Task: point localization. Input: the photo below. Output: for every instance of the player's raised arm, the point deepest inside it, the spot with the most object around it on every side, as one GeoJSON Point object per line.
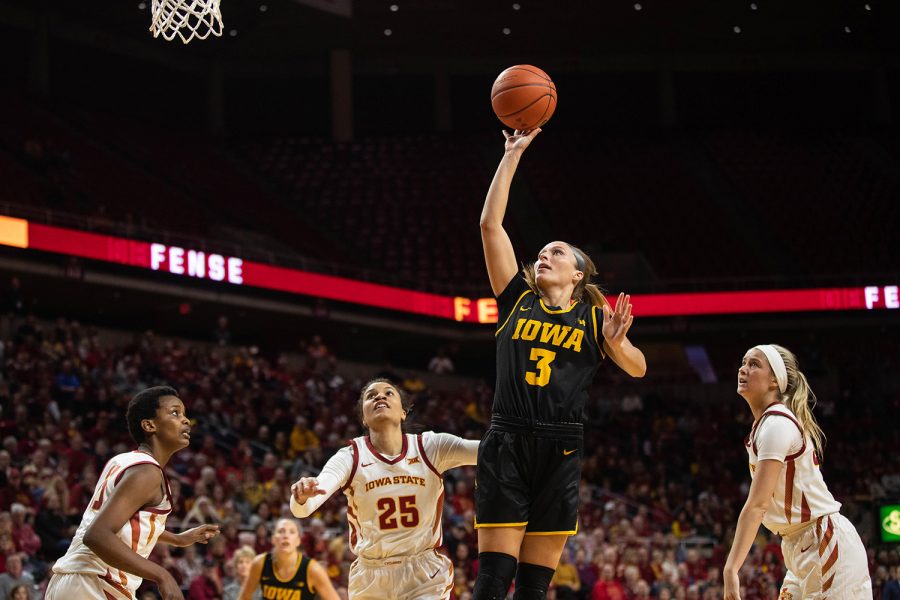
{"type": "Point", "coordinates": [140, 486]}
{"type": "Point", "coordinates": [616, 323]}
{"type": "Point", "coordinates": [309, 493]}
{"type": "Point", "coordinates": [498, 251]}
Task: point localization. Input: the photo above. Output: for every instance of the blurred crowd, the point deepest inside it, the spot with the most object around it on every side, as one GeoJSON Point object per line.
{"type": "Point", "coordinates": [663, 479]}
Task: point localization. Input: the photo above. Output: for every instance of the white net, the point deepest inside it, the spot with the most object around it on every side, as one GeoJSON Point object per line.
{"type": "Point", "coordinates": [188, 19]}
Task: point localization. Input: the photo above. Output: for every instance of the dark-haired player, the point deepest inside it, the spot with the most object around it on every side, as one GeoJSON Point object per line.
{"type": "Point", "coordinates": [395, 496]}
{"type": "Point", "coordinates": [126, 516]}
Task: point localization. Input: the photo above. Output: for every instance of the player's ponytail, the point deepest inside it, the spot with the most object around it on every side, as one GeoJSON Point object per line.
{"type": "Point", "coordinates": [799, 397]}
{"type": "Point", "coordinates": [584, 291]}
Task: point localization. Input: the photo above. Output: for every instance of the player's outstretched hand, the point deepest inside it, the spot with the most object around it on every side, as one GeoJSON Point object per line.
{"type": "Point", "coordinates": [617, 322]}
{"type": "Point", "coordinates": [519, 140]}
{"type": "Point", "coordinates": [199, 535]}
{"type": "Point", "coordinates": [305, 489]}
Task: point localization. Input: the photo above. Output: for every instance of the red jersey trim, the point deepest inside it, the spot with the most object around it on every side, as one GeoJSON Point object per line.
{"type": "Point", "coordinates": [425, 456]}
{"type": "Point", "coordinates": [778, 413]}
{"type": "Point", "coordinates": [355, 452]}
{"type": "Point", "coordinates": [168, 489]}
{"type": "Point", "coordinates": [757, 422]}
{"type": "Point", "coordinates": [115, 584]}
{"type": "Point", "coordinates": [145, 462]}
{"type": "Point", "coordinates": [135, 531]}
{"type": "Point", "coordinates": [789, 490]}
{"type": "Point", "coordinates": [805, 513]}
{"type": "Point", "coordinates": [393, 461]}
{"type": "Point", "coordinates": [157, 511]}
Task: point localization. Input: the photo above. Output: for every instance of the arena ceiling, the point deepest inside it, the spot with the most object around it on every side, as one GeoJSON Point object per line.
{"type": "Point", "coordinates": [573, 30]}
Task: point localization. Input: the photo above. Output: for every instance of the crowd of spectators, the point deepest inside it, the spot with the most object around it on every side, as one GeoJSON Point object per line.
{"type": "Point", "coordinates": [663, 479]}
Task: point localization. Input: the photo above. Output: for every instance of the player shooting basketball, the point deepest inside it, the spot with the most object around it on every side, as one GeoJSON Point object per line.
{"type": "Point", "coordinates": [554, 329]}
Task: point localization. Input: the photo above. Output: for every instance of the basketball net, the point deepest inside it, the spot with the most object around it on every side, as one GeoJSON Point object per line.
{"type": "Point", "coordinates": [188, 19]}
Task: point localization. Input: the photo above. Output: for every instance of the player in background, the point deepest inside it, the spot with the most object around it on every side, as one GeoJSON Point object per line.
{"type": "Point", "coordinates": [554, 329]}
{"type": "Point", "coordinates": [241, 561]}
{"type": "Point", "coordinates": [284, 573]}
{"type": "Point", "coordinates": [126, 516]}
{"type": "Point", "coordinates": [822, 551]}
{"type": "Point", "coordinates": [394, 486]}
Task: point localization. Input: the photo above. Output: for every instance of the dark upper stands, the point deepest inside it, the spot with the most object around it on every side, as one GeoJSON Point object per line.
{"type": "Point", "coordinates": [404, 210]}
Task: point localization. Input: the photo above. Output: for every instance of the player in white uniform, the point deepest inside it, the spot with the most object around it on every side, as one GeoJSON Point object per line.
{"type": "Point", "coordinates": [107, 559]}
{"type": "Point", "coordinates": [824, 555]}
{"type": "Point", "coordinates": [395, 496]}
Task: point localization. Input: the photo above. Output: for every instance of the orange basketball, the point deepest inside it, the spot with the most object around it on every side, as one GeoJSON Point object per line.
{"type": "Point", "coordinates": [523, 97]}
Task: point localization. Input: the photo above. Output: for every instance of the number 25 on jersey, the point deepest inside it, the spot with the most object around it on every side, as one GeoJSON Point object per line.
{"type": "Point", "coordinates": [388, 508]}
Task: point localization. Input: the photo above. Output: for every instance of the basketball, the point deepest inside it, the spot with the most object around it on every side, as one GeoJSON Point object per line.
{"type": "Point", "coordinates": [523, 97]}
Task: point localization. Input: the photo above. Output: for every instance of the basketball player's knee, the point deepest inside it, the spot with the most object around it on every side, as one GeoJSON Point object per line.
{"type": "Point", "coordinates": [532, 582]}
{"type": "Point", "coordinates": [495, 572]}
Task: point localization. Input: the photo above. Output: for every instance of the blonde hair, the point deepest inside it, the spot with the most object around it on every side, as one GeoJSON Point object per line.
{"type": "Point", "coordinates": [800, 398]}
{"type": "Point", "coordinates": [584, 290]}
{"type": "Point", "coordinates": [244, 551]}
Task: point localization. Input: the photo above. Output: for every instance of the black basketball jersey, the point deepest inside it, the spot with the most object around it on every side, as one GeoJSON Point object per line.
{"type": "Point", "coordinates": [546, 356]}
{"type": "Point", "coordinates": [295, 588]}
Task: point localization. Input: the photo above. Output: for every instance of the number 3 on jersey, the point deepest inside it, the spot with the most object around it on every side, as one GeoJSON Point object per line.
{"type": "Point", "coordinates": [409, 514]}
{"type": "Point", "coordinates": [543, 359]}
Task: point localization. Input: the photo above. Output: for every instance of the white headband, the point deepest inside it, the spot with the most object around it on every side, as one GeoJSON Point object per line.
{"type": "Point", "coordinates": [777, 364]}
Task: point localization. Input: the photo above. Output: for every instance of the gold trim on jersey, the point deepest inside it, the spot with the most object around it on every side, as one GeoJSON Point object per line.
{"type": "Point", "coordinates": [512, 311]}
{"type": "Point", "coordinates": [309, 582]}
{"type": "Point", "coordinates": [596, 339]}
{"type": "Point", "coordinates": [558, 311]}
{"type": "Point", "coordinates": [296, 569]}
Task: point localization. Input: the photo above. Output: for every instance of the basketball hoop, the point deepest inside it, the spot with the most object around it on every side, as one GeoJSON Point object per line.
{"type": "Point", "coordinates": [188, 19]}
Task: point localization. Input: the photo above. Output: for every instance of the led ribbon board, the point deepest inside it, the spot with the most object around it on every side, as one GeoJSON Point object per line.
{"type": "Point", "coordinates": [231, 270]}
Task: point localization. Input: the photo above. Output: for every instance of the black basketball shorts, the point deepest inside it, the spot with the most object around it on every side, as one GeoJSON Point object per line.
{"type": "Point", "coordinates": [528, 475]}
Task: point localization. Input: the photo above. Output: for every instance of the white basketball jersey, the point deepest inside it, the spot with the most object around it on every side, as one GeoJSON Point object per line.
{"type": "Point", "coordinates": [394, 506]}
{"type": "Point", "coordinates": [801, 495]}
{"type": "Point", "coordinates": [139, 533]}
